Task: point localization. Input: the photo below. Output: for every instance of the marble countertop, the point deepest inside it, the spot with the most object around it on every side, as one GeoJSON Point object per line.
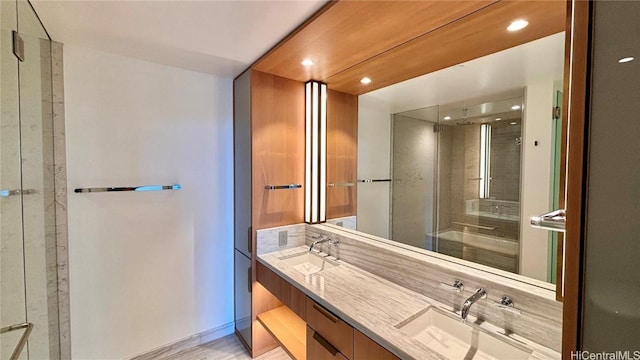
{"type": "Point", "coordinates": [374, 306]}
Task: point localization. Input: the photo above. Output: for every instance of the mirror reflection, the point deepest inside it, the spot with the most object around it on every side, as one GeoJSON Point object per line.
{"type": "Point", "coordinates": [471, 153]}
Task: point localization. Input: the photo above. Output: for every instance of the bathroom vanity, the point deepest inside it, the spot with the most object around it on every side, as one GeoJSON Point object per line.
{"type": "Point", "coordinates": [333, 309]}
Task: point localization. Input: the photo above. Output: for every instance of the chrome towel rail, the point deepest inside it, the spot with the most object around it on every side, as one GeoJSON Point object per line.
{"type": "Point", "coordinates": [23, 340]}
{"type": "Point", "coordinates": [373, 180]}
{"type": "Point", "coordinates": [554, 221]}
{"type": "Point", "coordinates": [130, 188]}
{"type": "Point", "coordinates": [341, 184]}
{"type": "Point", "coordinates": [7, 192]}
{"type": "Point", "coordinates": [282, 187]}
{"type": "Point", "coordinates": [474, 225]}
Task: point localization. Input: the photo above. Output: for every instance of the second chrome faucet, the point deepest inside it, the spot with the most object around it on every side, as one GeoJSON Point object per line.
{"type": "Point", "coordinates": [479, 294]}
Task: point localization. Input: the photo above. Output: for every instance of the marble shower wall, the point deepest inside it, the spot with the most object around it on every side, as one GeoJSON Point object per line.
{"type": "Point", "coordinates": [60, 190]}
{"type": "Point", "coordinates": [541, 318]}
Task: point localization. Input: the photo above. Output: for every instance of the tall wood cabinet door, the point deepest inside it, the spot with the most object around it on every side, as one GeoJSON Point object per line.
{"type": "Point", "coordinates": [318, 348]}
{"type": "Point", "coordinates": [367, 349]}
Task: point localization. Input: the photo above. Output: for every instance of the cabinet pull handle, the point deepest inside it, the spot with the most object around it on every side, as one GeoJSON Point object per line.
{"type": "Point", "coordinates": [326, 313]}
{"type": "Point", "coordinates": [249, 236]}
{"type": "Point", "coordinates": [325, 344]}
{"type": "Point", "coordinates": [249, 279]}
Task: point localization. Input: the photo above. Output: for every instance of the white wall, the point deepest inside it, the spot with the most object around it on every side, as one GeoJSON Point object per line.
{"type": "Point", "coordinates": [536, 177]}
{"type": "Point", "coordinates": [374, 156]}
{"type": "Point", "coordinates": [147, 269]}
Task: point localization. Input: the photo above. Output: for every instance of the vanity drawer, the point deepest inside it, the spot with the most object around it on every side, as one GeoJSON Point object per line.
{"type": "Point", "coordinates": [330, 327]}
{"type": "Point", "coordinates": [318, 348]}
{"type": "Point", "coordinates": [367, 349]}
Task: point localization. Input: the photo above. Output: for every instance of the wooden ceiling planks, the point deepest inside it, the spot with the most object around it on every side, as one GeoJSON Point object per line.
{"type": "Point", "coordinates": [476, 35]}
{"type": "Point", "coordinates": [392, 41]}
{"type": "Point", "coordinates": [345, 33]}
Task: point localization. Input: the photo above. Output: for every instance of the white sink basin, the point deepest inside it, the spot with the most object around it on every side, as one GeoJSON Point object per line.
{"type": "Point", "coordinates": [455, 339]}
{"type": "Point", "coordinates": [308, 263]}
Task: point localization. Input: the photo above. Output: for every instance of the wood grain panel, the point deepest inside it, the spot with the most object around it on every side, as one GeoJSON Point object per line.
{"type": "Point", "coordinates": [342, 153]}
{"type": "Point", "coordinates": [346, 32]}
{"type": "Point", "coordinates": [476, 35]}
{"type": "Point", "coordinates": [288, 294]}
{"type": "Point", "coordinates": [576, 178]}
{"type": "Point", "coordinates": [330, 327]}
{"type": "Point", "coordinates": [277, 127]}
{"type": "Point", "coordinates": [261, 301]}
{"type": "Point", "coordinates": [367, 349]}
{"type": "Point", "coordinates": [288, 329]}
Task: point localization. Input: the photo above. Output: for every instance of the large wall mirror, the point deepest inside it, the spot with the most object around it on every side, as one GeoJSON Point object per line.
{"type": "Point", "coordinates": [457, 161]}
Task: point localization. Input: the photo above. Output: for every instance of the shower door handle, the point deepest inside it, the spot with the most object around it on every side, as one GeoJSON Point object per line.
{"type": "Point", "coordinates": [23, 340]}
{"type": "Point", "coordinates": [554, 221]}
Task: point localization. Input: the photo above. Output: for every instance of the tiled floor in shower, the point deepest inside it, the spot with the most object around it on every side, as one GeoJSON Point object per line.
{"type": "Point", "coordinates": [227, 348]}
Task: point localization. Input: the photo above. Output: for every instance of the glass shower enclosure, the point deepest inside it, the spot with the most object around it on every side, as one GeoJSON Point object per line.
{"type": "Point", "coordinates": [28, 253]}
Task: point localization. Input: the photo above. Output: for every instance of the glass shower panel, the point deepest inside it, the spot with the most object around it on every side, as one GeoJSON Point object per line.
{"type": "Point", "coordinates": [12, 284]}
{"type": "Point", "coordinates": [28, 264]}
{"type": "Point", "coordinates": [36, 117]}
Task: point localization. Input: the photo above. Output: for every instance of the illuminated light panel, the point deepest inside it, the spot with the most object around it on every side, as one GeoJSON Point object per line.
{"type": "Point", "coordinates": [626, 59]}
{"type": "Point", "coordinates": [315, 152]}
{"type": "Point", "coordinates": [307, 62]}
{"type": "Point", "coordinates": [365, 80]}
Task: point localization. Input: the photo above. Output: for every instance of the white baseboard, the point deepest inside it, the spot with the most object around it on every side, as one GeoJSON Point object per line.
{"type": "Point", "coordinates": [187, 343]}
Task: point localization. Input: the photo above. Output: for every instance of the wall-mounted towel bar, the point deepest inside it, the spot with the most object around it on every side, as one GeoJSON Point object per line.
{"type": "Point", "coordinates": [130, 188]}
{"type": "Point", "coordinates": [7, 192]}
{"type": "Point", "coordinates": [373, 180]}
{"type": "Point", "coordinates": [340, 184]}
{"type": "Point", "coordinates": [23, 340]}
{"type": "Point", "coordinates": [282, 187]}
{"type": "Point", "coordinates": [474, 225]}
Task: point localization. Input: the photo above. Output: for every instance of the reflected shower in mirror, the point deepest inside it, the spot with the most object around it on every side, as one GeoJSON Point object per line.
{"type": "Point", "coordinates": [472, 152]}
{"type": "Point", "coordinates": [456, 180]}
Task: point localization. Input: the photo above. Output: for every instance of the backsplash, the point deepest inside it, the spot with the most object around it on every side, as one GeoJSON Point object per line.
{"type": "Point", "coordinates": [348, 222]}
{"type": "Point", "coordinates": [541, 317]}
{"type": "Point", "coordinates": [268, 240]}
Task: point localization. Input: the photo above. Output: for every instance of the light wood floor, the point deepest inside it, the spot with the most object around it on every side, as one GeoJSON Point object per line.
{"type": "Point", "coordinates": [227, 348]}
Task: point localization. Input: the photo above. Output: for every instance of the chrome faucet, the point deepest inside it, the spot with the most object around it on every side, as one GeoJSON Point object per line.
{"type": "Point", "coordinates": [480, 294]}
{"type": "Point", "coordinates": [322, 239]}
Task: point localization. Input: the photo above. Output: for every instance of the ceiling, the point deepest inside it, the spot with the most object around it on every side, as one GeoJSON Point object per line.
{"type": "Point", "coordinates": [217, 37]}
{"type": "Point", "coordinates": [498, 73]}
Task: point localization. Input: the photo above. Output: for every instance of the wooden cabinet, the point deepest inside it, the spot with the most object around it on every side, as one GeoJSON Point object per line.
{"type": "Point", "coordinates": [269, 135]}
{"type": "Point", "coordinates": [288, 294]}
{"type": "Point", "coordinates": [367, 349]}
{"type": "Point", "coordinates": [336, 332]}
{"type": "Point", "coordinates": [318, 348]}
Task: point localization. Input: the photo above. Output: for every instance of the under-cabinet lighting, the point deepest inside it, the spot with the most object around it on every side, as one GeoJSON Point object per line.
{"type": "Point", "coordinates": [517, 25]}
{"type": "Point", "coordinates": [447, 117]}
{"type": "Point", "coordinates": [315, 152]}
{"type": "Point", "coordinates": [365, 80]}
{"type": "Point", "coordinates": [498, 119]}
{"type": "Point", "coordinates": [626, 59]}
{"type": "Point", "coordinates": [514, 123]}
{"type": "Point", "coordinates": [515, 107]}
{"type": "Point", "coordinates": [307, 62]}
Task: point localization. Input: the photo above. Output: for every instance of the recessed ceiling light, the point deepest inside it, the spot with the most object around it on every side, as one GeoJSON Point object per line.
{"type": "Point", "coordinates": [517, 25]}
{"type": "Point", "coordinates": [515, 107]}
{"type": "Point", "coordinates": [513, 123]}
{"type": "Point", "coordinates": [626, 59]}
{"type": "Point", "coordinates": [447, 117]}
{"type": "Point", "coordinates": [307, 62]}
{"type": "Point", "coordinates": [365, 80]}
{"type": "Point", "coordinates": [498, 119]}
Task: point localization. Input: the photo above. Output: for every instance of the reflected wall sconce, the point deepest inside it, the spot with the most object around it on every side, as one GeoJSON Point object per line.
{"type": "Point", "coordinates": [315, 176]}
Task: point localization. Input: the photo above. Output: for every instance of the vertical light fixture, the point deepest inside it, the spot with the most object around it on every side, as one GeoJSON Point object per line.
{"type": "Point", "coordinates": [315, 152]}
{"type": "Point", "coordinates": [485, 160]}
